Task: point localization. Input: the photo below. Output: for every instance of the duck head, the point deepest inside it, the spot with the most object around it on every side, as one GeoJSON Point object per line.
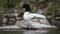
{"type": "Point", "coordinates": [27, 7]}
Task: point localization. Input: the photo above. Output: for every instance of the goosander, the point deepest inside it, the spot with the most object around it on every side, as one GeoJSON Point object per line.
{"type": "Point", "coordinates": [28, 16]}
{"type": "Point", "coordinates": [45, 24]}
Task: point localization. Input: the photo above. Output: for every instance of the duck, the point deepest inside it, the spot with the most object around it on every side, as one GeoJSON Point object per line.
{"type": "Point", "coordinates": [28, 16]}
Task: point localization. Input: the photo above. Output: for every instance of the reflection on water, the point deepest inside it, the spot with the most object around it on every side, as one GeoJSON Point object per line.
{"type": "Point", "coordinates": [42, 31]}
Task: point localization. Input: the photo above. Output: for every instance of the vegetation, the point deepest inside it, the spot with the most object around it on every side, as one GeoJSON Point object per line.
{"type": "Point", "coordinates": [7, 4]}
{"type": "Point", "coordinates": [53, 5]}
{"type": "Point", "coordinates": [52, 9]}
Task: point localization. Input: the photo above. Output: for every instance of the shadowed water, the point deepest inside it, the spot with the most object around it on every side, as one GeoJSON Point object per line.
{"type": "Point", "coordinates": [47, 31]}
{"type": "Point", "coordinates": [36, 32]}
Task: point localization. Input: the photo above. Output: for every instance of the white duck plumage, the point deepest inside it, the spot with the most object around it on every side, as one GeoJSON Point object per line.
{"type": "Point", "coordinates": [28, 17]}
{"type": "Point", "coordinates": [38, 25]}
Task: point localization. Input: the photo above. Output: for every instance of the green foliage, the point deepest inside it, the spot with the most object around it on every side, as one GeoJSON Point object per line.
{"type": "Point", "coordinates": [51, 9]}
{"type": "Point", "coordinates": [2, 4]}
{"type": "Point", "coordinates": [6, 4]}
{"type": "Point", "coordinates": [32, 4]}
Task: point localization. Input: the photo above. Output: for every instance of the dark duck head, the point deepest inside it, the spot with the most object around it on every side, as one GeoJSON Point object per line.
{"type": "Point", "coordinates": [27, 7]}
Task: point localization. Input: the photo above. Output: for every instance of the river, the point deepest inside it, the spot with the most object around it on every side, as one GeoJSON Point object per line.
{"type": "Point", "coordinates": [41, 31]}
